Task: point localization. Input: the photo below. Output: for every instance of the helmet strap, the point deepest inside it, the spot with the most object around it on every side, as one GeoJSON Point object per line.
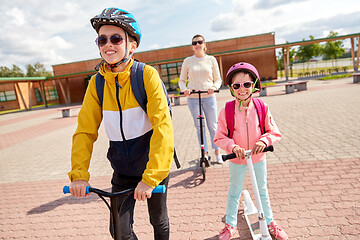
{"type": "Point", "coordinates": [232, 92]}
{"type": "Point", "coordinates": [241, 101]}
{"type": "Point", "coordinates": [255, 89]}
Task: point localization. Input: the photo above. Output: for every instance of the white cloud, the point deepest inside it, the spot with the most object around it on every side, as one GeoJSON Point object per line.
{"type": "Point", "coordinates": [224, 22]}
{"type": "Point", "coordinates": [55, 32]}
{"type": "Point", "coordinates": [290, 20]}
{"type": "Point", "coordinates": [266, 4]}
{"type": "Point", "coordinates": [16, 16]}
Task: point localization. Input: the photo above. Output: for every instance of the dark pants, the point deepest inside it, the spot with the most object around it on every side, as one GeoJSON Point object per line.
{"type": "Point", "coordinates": [157, 209]}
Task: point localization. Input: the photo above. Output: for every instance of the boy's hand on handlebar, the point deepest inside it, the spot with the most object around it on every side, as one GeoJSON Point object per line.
{"type": "Point", "coordinates": [142, 192]}
{"type": "Point", "coordinates": [78, 188]}
{"type": "Point", "coordinates": [258, 148]}
{"type": "Point", "coordinates": [211, 90]}
{"type": "Point", "coordinates": [239, 152]}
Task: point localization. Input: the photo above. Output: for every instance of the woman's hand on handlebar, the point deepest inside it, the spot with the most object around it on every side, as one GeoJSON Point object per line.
{"type": "Point", "coordinates": [211, 91]}
{"type": "Point", "coordinates": [258, 148]}
{"type": "Point", "coordinates": [239, 152]}
{"type": "Point", "coordinates": [187, 92]}
{"type": "Point", "coordinates": [78, 188]}
{"type": "Point", "coordinates": [142, 191]}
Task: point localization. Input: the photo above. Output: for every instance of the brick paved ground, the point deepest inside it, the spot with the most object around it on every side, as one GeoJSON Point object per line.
{"type": "Point", "coordinates": [314, 177]}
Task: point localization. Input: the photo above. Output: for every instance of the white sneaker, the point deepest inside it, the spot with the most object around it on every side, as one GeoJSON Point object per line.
{"type": "Point", "coordinates": [219, 159]}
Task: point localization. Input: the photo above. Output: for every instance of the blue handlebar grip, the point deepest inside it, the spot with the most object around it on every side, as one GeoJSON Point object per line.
{"type": "Point", "coordinates": [159, 189]}
{"type": "Point", "coordinates": [66, 189]}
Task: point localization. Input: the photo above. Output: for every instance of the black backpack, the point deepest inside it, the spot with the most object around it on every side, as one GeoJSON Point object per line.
{"type": "Point", "coordinates": [137, 85]}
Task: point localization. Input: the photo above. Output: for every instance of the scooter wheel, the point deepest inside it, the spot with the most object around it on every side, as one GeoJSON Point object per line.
{"type": "Point", "coordinates": [203, 169]}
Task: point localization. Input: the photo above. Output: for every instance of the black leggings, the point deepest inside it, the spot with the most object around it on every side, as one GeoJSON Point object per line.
{"type": "Point", "coordinates": [157, 209]}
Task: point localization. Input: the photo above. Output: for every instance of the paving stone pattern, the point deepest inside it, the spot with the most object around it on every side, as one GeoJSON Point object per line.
{"type": "Point", "coordinates": [313, 175]}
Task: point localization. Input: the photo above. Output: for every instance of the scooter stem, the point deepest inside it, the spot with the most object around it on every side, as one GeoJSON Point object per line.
{"type": "Point", "coordinates": [262, 221]}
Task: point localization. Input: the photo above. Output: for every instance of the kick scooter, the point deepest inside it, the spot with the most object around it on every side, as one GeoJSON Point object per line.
{"type": "Point", "coordinates": [249, 207]}
{"type": "Point", "coordinates": [204, 163]}
{"type": "Point", "coordinates": [114, 204]}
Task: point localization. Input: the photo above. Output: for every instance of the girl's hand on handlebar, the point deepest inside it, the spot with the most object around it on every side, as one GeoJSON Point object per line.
{"type": "Point", "coordinates": [187, 92]}
{"type": "Point", "coordinates": [142, 192]}
{"type": "Point", "coordinates": [258, 148]}
{"type": "Point", "coordinates": [239, 152]}
{"type": "Point", "coordinates": [78, 188]}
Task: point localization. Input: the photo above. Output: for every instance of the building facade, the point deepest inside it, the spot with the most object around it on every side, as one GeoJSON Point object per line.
{"type": "Point", "coordinates": [168, 63]}
{"type": "Point", "coordinates": [69, 83]}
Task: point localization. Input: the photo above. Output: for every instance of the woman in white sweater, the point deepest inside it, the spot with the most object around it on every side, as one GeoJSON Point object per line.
{"type": "Point", "coordinates": [202, 73]}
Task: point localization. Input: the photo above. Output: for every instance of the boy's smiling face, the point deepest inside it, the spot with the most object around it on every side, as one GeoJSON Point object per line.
{"type": "Point", "coordinates": [113, 53]}
{"type": "Point", "coordinates": [242, 93]}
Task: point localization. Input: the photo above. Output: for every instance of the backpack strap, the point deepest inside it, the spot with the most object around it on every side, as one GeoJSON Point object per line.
{"type": "Point", "coordinates": [167, 97]}
{"type": "Point", "coordinates": [260, 108]}
{"type": "Point", "coordinates": [137, 83]}
{"type": "Point", "coordinates": [100, 82]}
{"type": "Point", "coordinates": [230, 112]}
{"type": "Point", "coordinates": [138, 88]}
{"type": "Point", "coordinates": [229, 116]}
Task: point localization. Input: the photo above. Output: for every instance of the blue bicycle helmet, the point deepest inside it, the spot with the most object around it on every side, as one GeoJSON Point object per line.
{"type": "Point", "coordinates": [120, 18]}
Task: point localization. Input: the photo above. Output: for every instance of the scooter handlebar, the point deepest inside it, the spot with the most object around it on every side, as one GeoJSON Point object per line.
{"type": "Point", "coordinates": [198, 91]}
{"type": "Point", "coordinates": [157, 189]}
{"type": "Point", "coordinates": [233, 155]}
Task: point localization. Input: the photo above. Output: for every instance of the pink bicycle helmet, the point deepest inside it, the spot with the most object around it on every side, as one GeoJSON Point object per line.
{"type": "Point", "coordinates": [244, 67]}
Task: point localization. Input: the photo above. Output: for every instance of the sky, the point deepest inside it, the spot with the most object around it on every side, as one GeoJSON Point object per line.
{"type": "Point", "coordinates": [55, 32]}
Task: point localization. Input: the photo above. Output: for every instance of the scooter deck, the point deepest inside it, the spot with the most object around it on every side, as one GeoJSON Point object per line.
{"type": "Point", "coordinates": [254, 226]}
{"type": "Point", "coordinates": [251, 217]}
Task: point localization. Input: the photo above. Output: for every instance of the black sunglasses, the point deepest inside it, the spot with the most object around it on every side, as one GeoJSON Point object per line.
{"type": "Point", "coordinates": [245, 85]}
{"type": "Point", "coordinates": [114, 39]}
{"type": "Point", "coordinates": [197, 42]}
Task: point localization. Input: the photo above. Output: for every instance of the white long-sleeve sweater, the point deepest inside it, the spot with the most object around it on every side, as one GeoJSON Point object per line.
{"type": "Point", "coordinates": [202, 74]}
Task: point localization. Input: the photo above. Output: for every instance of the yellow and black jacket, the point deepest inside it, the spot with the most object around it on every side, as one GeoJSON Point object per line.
{"type": "Point", "coordinates": [141, 144]}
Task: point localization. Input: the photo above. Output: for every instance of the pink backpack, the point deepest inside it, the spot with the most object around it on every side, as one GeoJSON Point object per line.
{"type": "Point", "coordinates": [230, 112]}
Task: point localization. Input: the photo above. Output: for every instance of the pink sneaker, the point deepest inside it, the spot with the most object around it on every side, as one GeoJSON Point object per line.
{"type": "Point", "coordinates": [276, 232]}
{"type": "Point", "coordinates": [227, 232]}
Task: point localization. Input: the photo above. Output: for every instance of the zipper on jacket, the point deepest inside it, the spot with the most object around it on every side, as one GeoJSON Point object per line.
{"type": "Point", "coordinates": [247, 129]}
{"type": "Point", "coordinates": [121, 125]}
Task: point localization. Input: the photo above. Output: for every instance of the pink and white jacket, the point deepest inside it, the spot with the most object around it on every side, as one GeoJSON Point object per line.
{"type": "Point", "coordinates": [246, 131]}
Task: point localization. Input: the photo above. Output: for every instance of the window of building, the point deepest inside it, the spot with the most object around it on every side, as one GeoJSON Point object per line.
{"type": "Point", "coordinates": [50, 92]}
{"type": "Point", "coordinates": [38, 95]}
{"type": "Point", "coordinates": [7, 96]}
{"type": "Point", "coordinates": [169, 72]}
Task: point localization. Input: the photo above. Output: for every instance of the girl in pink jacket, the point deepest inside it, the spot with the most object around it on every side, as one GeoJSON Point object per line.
{"type": "Point", "coordinates": [243, 80]}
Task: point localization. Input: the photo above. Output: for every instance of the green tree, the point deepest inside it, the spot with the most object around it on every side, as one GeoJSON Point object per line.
{"type": "Point", "coordinates": [334, 49]}
{"type": "Point", "coordinates": [14, 72]}
{"type": "Point", "coordinates": [5, 71]}
{"type": "Point", "coordinates": [37, 70]}
{"type": "Point", "coordinates": [17, 72]}
{"type": "Point", "coordinates": [307, 52]}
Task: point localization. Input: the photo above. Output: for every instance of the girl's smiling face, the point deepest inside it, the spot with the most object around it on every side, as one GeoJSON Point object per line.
{"type": "Point", "coordinates": [242, 92]}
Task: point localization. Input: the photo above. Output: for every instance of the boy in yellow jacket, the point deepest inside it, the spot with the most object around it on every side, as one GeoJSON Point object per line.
{"type": "Point", "coordinates": [141, 144]}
